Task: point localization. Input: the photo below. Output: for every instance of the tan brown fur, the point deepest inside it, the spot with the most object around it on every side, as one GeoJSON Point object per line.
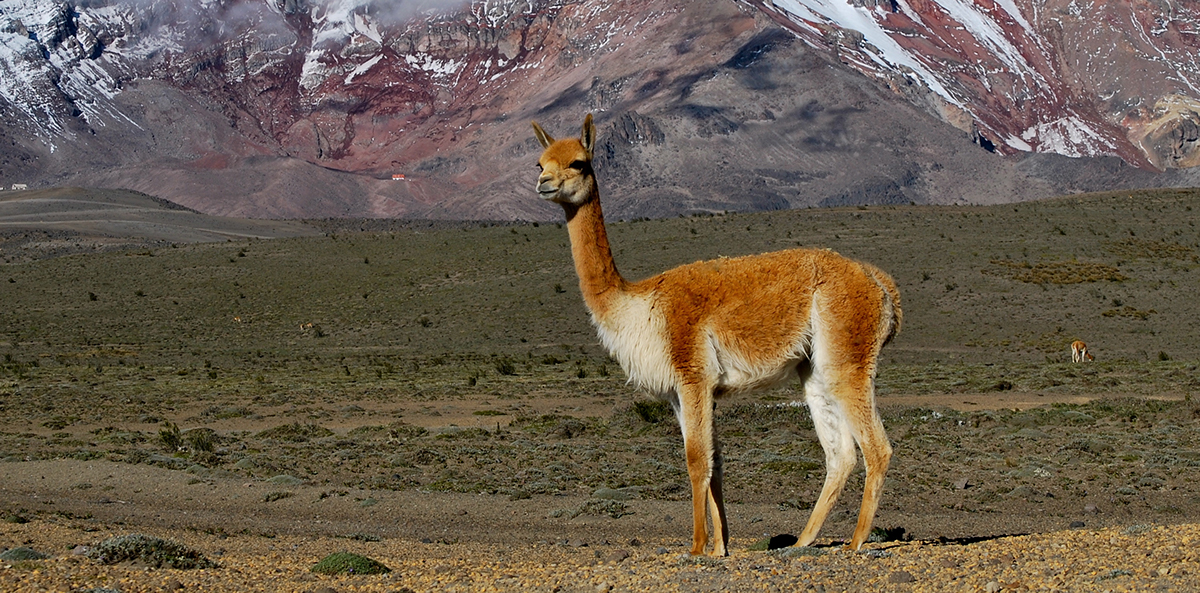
{"type": "Point", "coordinates": [703, 330]}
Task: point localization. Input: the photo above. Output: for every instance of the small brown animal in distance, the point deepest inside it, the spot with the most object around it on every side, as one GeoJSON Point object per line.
{"type": "Point", "coordinates": [1079, 352]}
{"type": "Point", "coordinates": [704, 330]}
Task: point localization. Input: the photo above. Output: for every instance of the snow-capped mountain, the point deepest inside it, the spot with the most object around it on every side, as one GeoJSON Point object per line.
{"type": "Point", "coordinates": [306, 108]}
{"type": "Point", "coordinates": [1073, 77]}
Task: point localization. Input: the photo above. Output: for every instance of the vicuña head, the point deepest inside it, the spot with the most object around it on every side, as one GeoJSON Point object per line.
{"type": "Point", "coordinates": [704, 330]}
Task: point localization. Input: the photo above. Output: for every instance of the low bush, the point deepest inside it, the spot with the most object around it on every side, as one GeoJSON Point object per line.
{"type": "Point", "coordinates": [348, 563]}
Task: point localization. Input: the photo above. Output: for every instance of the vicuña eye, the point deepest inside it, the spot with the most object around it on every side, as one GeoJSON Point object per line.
{"type": "Point", "coordinates": [578, 165]}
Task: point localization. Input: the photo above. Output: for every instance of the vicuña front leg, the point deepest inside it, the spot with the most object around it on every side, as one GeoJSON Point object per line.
{"type": "Point", "coordinates": [704, 471]}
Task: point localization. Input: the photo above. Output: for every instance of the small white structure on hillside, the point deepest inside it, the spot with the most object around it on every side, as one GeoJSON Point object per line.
{"type": "Point", "coordinates": [19, 186]}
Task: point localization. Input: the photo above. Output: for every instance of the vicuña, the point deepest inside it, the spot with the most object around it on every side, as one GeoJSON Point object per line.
{"type": "Point", "coordinates": [1079, 352]}
{"type": "Point", "coordinates": [701, 331]}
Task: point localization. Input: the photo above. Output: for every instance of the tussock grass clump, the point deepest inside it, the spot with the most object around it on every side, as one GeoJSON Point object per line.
{"type": "Point", "coordinates": [295, 432]}
{"type": "Point", "coordinates": [277, 495]}
{"type": "Point", "coordinates": [505, 366]}
{"type": "Point", "coordinates": [201, 439]}
{"type": "Point", "coordinates": [596, 508]}
{"type": "Point", "coordinates": [1130, 312]}
{"type": "Point", "coordinates": [653, 411]}
{"type": "Point", "coordinates": [554, 425]}
{"type": "Point", "coordinates": [348, 563]}
{"type": "Point", "coordinates": [170, 438]}
{"type": "Point", "coordinates": [888, 534]}
{"type": "Point", "coordinates": [15, 518]}
{"type": "Point", "coordinates": [226, 412]}
{"type": "Point", "coordinates": [1060, 272]}
{"type": "Point", "coordinates": [396, 431]}
{"type": "Point", "coordinates": [152, 551]}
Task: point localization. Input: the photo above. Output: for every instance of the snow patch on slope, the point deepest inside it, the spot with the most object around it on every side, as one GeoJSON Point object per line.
{"type": "Point", "coordinates": [843, 14]}
{"type": "Point", "coordinates": [363, 68]}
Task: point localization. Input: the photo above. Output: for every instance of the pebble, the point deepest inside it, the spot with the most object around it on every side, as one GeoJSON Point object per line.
{"type": "Point", "coordinates": [992, 587]}
{"type": "Point", "coordinates": [615, 494]}
{"type": "Point", "coordinates": [21, 553]}
{"type": "Point", "coordinates": [901, 576]}
{"type": "Point", "coordinates": [617, 555]}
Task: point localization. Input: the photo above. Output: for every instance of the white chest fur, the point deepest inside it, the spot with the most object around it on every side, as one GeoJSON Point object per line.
{"type": "Point", "coordinates": [634, 333]}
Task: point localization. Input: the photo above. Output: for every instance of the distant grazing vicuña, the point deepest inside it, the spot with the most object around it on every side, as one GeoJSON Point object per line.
{"type": "Point", "coordinates": [704, 330]}
{"type": "Point", "coordinates": [1079, 352]}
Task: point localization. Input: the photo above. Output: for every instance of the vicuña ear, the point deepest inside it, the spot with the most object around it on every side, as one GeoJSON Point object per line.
{"type": "Point", "coordinates": [588, 135]}
{"type": "Point", "coordinates": [543, 138]}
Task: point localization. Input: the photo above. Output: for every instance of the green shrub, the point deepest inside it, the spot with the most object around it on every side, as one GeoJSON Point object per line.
{"type": "Point", "coordinates": [348, 563]}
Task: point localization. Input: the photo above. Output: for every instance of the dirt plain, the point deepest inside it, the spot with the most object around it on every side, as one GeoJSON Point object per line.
{"type": "Point", "coordinates": [435, 399]}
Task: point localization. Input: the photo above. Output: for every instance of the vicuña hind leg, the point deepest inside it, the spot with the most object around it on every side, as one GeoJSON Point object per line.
{"type": "Point", "coordinates": [716, 502]}
{"type": "Point", "coordinates": [840, 423]}
{"type": "Point", "coordinates": [833, 431]}
{"type": "Point", "coordinates": [877, 453]}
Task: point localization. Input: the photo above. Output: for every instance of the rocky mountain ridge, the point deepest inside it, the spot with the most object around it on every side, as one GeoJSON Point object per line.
{"type": "Point", "coordinates": [1067, 77]}
{"type": "Point", "coordinates": [305, 108]}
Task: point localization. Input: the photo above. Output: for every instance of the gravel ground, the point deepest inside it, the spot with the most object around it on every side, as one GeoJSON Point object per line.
{"type": "Point", "coordinates": [1138, 558]}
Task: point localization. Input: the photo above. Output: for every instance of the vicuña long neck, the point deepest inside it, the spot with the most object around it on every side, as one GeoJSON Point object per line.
{"type": "Point", "coordinates": [599, 279]}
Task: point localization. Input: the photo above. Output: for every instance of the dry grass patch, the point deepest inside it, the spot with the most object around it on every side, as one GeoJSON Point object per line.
{"type": "Point", "coordinates": [1148, 249]}
{"type": "Point", "coordinates": [1061, 272]}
